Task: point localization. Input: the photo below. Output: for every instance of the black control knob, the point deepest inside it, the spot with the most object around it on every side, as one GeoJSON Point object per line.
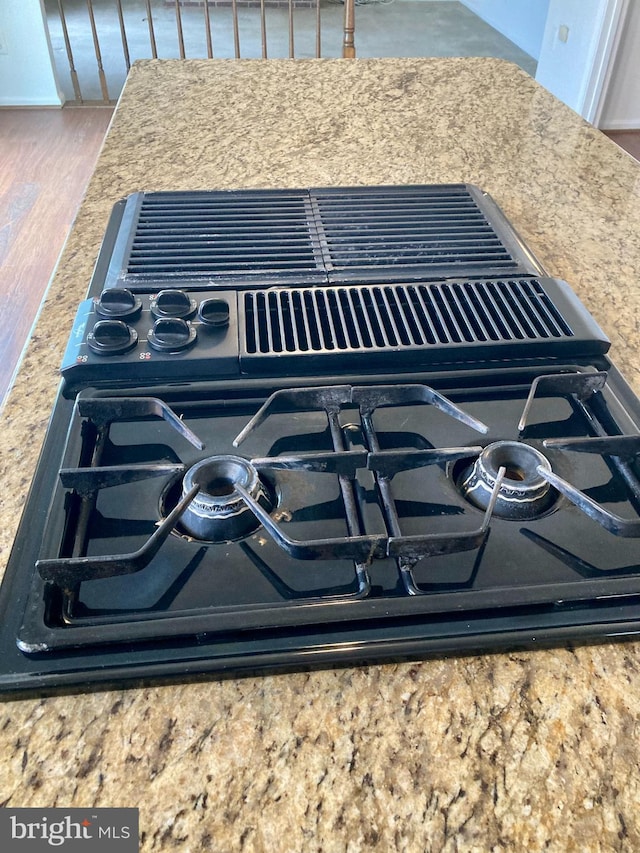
{"type": "Point", "coordinates": [171, 334]}
{"type": "Point", "coordinates": [214, 312]}
{"type": "Point", "coordinates": [118, 303]}
{"type": "Point", "coordinates": [173, 303]}
{"type": "Point", "coordinates": [111, 337]}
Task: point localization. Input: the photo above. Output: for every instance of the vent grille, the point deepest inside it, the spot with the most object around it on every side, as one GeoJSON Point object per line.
{"type": "Point", "coordinates": [410, 227]}
{"type": "Point", "coordinates": [222, 235]}
{"type": "Point", "coordinates": [399, 317]}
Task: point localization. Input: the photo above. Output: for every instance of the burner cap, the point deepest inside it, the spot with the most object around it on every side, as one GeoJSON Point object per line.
{"type": "Point", "coordinates": [218, 512]}
{"type": "Point", "coordinates": [523, 493]}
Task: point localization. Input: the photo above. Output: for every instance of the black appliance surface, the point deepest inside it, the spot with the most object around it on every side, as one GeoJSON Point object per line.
{"type": "Point", "coordinates": [444, 466]}
{"type": "Point", "coordinates": [307, 330]}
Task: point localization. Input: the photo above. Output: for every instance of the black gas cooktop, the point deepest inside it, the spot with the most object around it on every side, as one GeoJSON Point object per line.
{"type": "Point", "coordinates": [321, 427]}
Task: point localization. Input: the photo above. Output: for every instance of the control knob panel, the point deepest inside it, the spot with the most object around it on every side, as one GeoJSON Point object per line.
{"type": "Point", "coordinates": [168, 336]}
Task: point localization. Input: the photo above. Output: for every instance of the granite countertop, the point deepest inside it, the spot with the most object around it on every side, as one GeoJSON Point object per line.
{"type": "Point", "coordinates": [523, 751]}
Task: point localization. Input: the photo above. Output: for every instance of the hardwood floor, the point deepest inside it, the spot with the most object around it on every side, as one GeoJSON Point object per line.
{"type": "Point", "coordinates": [46, 159]}
{"type": "Point", "coordinates": [627, 139]}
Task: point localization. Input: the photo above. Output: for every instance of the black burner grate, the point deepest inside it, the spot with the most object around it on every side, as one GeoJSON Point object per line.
{"type": "Point", "coordinates": [363, 471]}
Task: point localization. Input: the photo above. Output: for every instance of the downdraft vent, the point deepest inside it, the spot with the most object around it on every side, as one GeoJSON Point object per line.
{"type": "Point", "coordinates": [432, 318]}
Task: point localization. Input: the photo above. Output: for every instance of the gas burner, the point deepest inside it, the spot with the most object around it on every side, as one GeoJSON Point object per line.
{"type": "Point", "coordinates": [523, 494]}
{"type": "Point", "coordinates": [219, 513]}
{"type": "Point", "coordinates": [394, 537]}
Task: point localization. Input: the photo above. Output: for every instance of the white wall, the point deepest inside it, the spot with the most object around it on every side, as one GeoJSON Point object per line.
{"type": "Point", "coordinates": [521, 21]}
{"type": "Point", "coordinates": [569, 68]}
{"type": "Point", "coordinates": [622, 101]}
{"type": "Point", "coordinates": [26, 71]}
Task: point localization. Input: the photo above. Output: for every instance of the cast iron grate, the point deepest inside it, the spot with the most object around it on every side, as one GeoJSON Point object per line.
{"type": "Point", "coordinates": [394, 231]}
{"type": "Point", "coordinates": [196, 235]}
{"type": "Point", "coordinates": [318, 236]}
{"type": "Point", "coordinates": [360, 543]}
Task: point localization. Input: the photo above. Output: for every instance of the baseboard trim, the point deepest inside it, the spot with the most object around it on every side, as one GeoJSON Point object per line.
{"type": "Point", "coordinates": [623, 124]}
{"type": "Point", "coordinates": [30, 102]}
{"type": "Point", "coordinates": [22, 106]}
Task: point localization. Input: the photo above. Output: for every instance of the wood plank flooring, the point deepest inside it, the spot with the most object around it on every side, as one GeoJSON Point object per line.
{"type": "Point", "coordinates": [627, 139]}
{"type": "Point", "coordinates": [46, 159]}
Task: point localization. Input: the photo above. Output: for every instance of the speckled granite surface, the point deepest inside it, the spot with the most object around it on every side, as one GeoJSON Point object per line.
{"type": "Point", "coordinates": [529, 751]}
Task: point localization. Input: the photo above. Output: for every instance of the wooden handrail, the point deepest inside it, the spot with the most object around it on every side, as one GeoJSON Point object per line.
{"type": "Point", "coordinates": [348, 42]}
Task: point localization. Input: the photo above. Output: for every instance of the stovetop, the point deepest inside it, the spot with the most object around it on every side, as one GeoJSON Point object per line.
{"type": "Point", "coordinates": [354, 471]}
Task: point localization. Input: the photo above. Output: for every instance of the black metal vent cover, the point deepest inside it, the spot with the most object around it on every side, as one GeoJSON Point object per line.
{"type": "Point", "coordinates": [265, 237]}
{"type": "Point", "coordinates": [431, 322]}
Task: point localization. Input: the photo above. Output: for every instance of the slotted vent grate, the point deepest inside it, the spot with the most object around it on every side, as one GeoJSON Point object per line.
{"type": "Point", "coordinates": [399, 317]}
{"type": "Point", "coordinates": [222, 235]}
